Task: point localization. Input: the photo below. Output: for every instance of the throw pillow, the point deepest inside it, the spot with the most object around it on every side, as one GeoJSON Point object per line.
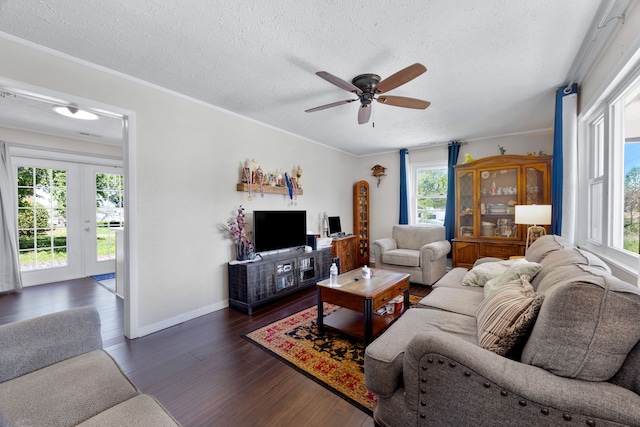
{"type": "Point", "coordinates": [481, 273]}
{"type": "Point", "coordinates": [519, 268]}
{"type": "Point", "coordinates": [507, 316]}
{"type": "Point", "coordinates": [587, 325]}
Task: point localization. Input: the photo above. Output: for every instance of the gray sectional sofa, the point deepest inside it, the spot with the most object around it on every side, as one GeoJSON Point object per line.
{"type": "Point", "coordinates": [54, 372]}
{"type": "Point", "coordinates": [576, 363]}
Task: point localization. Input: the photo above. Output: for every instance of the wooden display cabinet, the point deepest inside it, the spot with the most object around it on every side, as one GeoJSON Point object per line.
{"type": "Point", "coordinates": [487, 191]}
{"type": "Point", "coordinates": [361, 221]}
{"type": "Point", "coordinates": [345, 249]}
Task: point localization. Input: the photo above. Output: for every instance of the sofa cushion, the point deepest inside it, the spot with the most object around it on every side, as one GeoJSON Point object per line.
{"type": "Point", "coordinates": [383, 357]}
{"type": "Point", "coordinates": [453, 279]}
{"type": "Point", "coordinates": [544, 245]}
{"type": "Point", "coordinates": [562, 257]}
{"type": "Point", "coordinates": [507, 315]}
{"type": "Point", "coordinates": [462, 301]}
{"type": "Point", "coordinates": [405, 257]}
{"type": "Point", "coordinates": [587, 326]}
{"type": "Point", "coordinates": [480, 274]}
{"type": "Point", "coordinates": [142, 410]}
{"type": "Point", "coordinates": [521, 267]}
{"type": "Point", "coordinates": [65, 393]}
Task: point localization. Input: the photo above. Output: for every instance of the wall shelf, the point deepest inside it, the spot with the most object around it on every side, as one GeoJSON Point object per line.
{"type": "Point", "coordinates": [268, 189]}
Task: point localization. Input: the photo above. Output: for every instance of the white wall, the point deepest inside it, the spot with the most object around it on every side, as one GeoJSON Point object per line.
{"type": "Point", "coordinates": [59, 144]}
{"type": "Point", "coordinates": [623, 42]}
{"type": "Point", "coordinates": [187, 164]}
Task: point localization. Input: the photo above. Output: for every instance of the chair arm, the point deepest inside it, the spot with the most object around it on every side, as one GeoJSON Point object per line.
{"type": "Point", "coordinates": [434, 250]}
{"type": "Point", "coordinates": [381, 246]}
{"type": "Point", "coordinates": [441, 370]}
{"type": "Point", "coordinates": [33, 344]}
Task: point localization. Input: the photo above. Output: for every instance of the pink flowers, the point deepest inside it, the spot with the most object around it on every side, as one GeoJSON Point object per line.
{"type": "Point", "coordinates": [237, 228]}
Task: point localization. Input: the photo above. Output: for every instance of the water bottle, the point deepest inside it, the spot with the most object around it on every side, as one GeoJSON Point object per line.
{"type": "Point", "coordinates": [333, 274]}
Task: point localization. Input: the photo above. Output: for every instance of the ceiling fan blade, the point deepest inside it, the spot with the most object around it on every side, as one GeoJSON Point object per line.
{"type": "Point", "coordinates": [333, 104]}
{"type": "Point", "coordinates": [401, 101]}
{"type": "Point", "coordinates": [400, 78]}
{"type": "Point", "coordinates": [364, 113]}
{"type": "Point", "coordinates": [339, 82]}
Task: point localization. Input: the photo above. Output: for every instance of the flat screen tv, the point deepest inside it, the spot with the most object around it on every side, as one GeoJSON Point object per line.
{"type": "Point", "coordinates": [274, 230]}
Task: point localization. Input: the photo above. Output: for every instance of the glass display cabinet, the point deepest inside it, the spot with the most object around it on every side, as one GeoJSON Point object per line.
{"type": "Point", "coordinates": [487, 191]}
{"type": "Point", "coordinates": [361, 221]}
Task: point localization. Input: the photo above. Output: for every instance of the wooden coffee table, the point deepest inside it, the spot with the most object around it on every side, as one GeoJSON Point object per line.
{"type": "Point", "coordinates": [359, 298]}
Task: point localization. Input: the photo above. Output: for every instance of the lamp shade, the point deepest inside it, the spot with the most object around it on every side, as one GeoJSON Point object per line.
{"type": "Point", "coordinates": [533, 214]}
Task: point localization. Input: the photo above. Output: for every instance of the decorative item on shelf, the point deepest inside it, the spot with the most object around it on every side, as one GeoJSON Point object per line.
{"type": "Point", "coordinates": [298, 176]}
{"type": "Point", "coordinates": [274, 182]}
{"type": "Point", "coordinates": [468, 158]}
{"type": "Point", "coordinates": [534, 154]}
{"type": "Point", "coordinates": [260, 177]}
{"type": "Point", "coordinates": [291, 186]}
{"type": "Point", "coordinates": [378, 171]}
{"type": "Point", "coordinates": [247, 176]}
{"type": "Point", "coordinates": [237, 229]}
{"type": "Point", "coordinates": [502, 149]}
{"type": "Point", "coordinates": [534, 216]}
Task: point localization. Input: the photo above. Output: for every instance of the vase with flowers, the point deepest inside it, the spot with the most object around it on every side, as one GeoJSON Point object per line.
{"type": "Point", "coordinates": [237, 228]}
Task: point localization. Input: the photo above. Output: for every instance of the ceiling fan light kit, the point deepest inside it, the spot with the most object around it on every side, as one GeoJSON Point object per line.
{"type": "Point", "coordinates": [74, 112]}
{"type": "Point", "coordinates": [367, 86]}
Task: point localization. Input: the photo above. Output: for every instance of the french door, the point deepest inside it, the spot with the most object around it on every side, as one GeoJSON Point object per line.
{"type": "Point", "coordinates": [66, 215]}
{"type": "Point", "coordinates": [103, 216]}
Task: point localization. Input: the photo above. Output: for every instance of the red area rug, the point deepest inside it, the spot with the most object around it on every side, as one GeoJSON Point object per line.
{"type": "Point", "coordinates": [332, 359]}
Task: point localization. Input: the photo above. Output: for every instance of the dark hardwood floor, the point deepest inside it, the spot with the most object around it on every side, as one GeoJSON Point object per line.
{"type": "Point", "coordinates": [202, 370]}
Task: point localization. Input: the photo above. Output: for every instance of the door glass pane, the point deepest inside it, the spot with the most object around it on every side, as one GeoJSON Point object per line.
{"type": "Point", "coordinates": [109, 213]}
{"type": "Point", "coordinates": [41, 218]}
{"type": "Point", "coordinates": [534, 186]}
{"type": "Point", "coordinates": [465, 204]}
{"type": "Point", "coordinates": [498, 198]}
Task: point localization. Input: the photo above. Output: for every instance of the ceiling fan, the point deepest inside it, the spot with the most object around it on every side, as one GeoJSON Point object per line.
{"type": "Point", "coordinates": [368, 87]}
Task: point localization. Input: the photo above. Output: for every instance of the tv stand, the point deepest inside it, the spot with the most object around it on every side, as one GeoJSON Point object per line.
{"type": "Point", "coordinates": [274, 276]}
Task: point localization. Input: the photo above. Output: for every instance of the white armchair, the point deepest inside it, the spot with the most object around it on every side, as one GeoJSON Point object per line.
{"type": "Point", "coordinates": [418, 250]}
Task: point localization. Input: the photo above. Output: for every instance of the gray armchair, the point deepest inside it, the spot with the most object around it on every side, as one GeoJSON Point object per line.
{"type": "Point", "coordinates": [418, 250]}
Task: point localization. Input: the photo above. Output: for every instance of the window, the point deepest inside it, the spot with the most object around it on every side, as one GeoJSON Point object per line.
{"type": "Point", "coordinates": [429, 198]}
{"type": "Point", "coordinates": [612, 175]}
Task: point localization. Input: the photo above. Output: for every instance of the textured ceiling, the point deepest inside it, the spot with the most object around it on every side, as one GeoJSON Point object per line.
{"type": "Point", "coordinates": [493, 65]}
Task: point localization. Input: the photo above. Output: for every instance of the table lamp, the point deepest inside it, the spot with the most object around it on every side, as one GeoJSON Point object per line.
{"type": "Point", "coordinates": [534, 216]}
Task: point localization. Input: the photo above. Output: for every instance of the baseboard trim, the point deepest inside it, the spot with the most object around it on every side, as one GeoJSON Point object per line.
{"type": "Point", "coordinates": [184, 317]}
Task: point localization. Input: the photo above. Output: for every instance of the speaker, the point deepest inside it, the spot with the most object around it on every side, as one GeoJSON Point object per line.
{"type": "Point", "coordinates": [311, 241]}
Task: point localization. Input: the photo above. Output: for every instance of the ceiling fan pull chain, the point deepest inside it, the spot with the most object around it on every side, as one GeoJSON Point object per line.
{"type": "Point", "coordinates": [373, 111]}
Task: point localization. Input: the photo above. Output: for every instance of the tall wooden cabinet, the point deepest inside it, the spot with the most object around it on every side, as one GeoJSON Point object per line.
{"type": "Point", "coordinates": [361, 221]}
{"type": "Point", "coordinates": [487, 191]}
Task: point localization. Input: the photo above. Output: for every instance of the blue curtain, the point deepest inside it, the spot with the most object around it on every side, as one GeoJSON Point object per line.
{"type": "Point", "coordinates": [449, 216]}
{"type": "Point", "coordinates": [556, 168]}
{"type": "Point", "coordinates": [404, 196]}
